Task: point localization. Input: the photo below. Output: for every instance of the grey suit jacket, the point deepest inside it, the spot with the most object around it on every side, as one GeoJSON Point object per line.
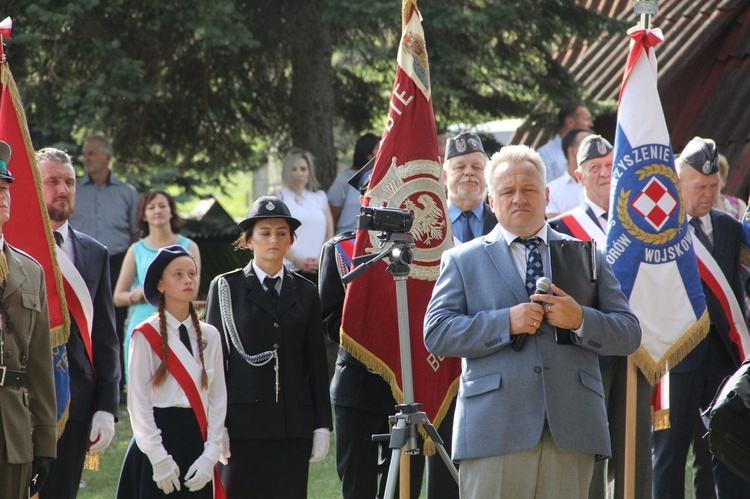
{"type": "Point", "coordinates": [505, 395]}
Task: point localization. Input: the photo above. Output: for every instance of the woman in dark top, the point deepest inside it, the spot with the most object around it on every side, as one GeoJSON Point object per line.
{"type": "Point", "coordinates": [279, 412]}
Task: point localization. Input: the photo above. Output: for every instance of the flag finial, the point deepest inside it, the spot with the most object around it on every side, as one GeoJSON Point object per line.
{"type": "Point", "coordinates": [645, 9]}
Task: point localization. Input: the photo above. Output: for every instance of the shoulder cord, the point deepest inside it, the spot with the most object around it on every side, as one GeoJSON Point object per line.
{"type": "Point", "coordinates": [230, 334]}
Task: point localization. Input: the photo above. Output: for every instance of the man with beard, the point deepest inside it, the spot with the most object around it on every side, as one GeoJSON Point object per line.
{"type": "Point", "coordinates": [463, 172]}
{"type": "Point", "coordinates": [93, 347]}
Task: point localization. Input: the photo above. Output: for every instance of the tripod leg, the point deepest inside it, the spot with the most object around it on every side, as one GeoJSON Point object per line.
{"type": "Point", "coordinates": [390, 485]}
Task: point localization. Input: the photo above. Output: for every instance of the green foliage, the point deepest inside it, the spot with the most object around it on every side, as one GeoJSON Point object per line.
{"type": "Point", "coordinates": [201, 89]}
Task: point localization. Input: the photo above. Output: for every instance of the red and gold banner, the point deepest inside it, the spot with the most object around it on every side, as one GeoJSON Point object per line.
{"type": "Point", "coordinates": [406, 175]}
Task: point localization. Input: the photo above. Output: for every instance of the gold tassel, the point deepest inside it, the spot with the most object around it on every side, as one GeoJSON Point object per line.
{"type": "Point", "coordinates": [661, 420]}
{"type": "Point", "coordinates": [91, 462]}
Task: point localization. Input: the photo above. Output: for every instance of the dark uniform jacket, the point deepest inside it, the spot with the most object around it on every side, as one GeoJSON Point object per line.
{"type": "Point", "coordinates": [97, 387]}
{"type": "Point", "coordinates": [295, 326]}
{"type": "Point", "coordinates": [27, 415]}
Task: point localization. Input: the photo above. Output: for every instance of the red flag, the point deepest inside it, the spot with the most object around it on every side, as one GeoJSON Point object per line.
{"type": "Point", "coordinates": [28, 228]}
{"type": "Point", "coordinates": [406, 175]}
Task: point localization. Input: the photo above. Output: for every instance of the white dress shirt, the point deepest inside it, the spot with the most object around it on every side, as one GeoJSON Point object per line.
{"type": "Point", "coordinates": [143, 396]}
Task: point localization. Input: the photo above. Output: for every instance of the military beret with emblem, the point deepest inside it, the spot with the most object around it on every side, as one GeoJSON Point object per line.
{"type": "Point", "coordinates": [702, 155]}
{"type": "Point", "coordinates": [464, 143]}
{"type": "Point", "coordinates": [361, 179]}
{"type": "Point", "coordinates": [593, 147]}
{"type": "Point", "coordinates": [4, 160]}
{"type": "Point", "coordinates": [268, 207]}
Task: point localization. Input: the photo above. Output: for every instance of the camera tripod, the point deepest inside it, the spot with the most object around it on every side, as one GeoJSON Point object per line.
{"type": "Point", "coordinates": [403, 424]}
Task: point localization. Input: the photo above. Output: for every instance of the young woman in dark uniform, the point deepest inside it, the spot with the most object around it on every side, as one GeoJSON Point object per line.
{"type": "Point", "coordinates": [279, 411]}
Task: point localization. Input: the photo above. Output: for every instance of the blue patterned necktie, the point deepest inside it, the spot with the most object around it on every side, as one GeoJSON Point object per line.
{"type": "Point", "coordinates": [467, 234]}
{"type": "Point", "coordinates": [702, 236]}
{"type": "Point", "coordinates": [534, 266]}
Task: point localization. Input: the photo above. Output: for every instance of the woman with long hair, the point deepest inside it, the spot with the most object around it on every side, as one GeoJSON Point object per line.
{"type": "Point", "coordinates": [160, 226]}
{"type": "Point", "coordinates": [309, 204]}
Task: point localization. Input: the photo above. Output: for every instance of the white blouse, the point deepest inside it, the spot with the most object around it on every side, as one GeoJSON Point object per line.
{"type": "Point", "coordinates": [143, 397]}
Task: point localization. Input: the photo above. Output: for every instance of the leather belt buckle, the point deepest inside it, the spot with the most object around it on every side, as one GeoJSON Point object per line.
{"type": "Point", "coordinates": [2, 375]}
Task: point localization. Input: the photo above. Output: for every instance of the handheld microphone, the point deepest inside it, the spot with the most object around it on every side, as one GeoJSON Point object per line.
{"type": "Point", "coordinates": [543, 285]}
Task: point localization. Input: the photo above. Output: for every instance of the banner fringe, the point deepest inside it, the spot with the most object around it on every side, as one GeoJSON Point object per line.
{"type": "Point", "coordinates": [653, 371]}
{"type": "Point", "coordinates": [380, 368]}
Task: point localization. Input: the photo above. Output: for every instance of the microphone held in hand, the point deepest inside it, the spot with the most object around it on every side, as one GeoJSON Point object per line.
{"type": "Point", "coordinates": [543, 285]}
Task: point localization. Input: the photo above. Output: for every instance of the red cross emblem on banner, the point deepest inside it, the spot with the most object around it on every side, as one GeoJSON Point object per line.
{"type": "Point", "coordinates": [655, 203]}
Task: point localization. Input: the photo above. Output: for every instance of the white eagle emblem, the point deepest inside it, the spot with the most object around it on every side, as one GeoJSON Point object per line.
{"type": "Point", "coordinates": [428, 223]}
{"type": "Point", "coordinates": [270, 206]}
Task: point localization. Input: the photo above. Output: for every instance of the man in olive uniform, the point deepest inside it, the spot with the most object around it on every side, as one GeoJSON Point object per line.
{"type": "Point", "coordinates": [27, 388]}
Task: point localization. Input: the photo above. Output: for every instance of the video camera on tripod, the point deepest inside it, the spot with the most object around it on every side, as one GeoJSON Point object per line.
{"type": "Point", "coordinates": [385, 219]}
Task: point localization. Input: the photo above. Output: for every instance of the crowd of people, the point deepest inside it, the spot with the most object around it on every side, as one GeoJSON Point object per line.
{"type": "Point", "coordinates": [240, 401]}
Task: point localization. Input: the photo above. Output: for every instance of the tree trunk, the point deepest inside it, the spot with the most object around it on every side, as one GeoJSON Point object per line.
{"type": "Point", "coordinates": [312, 85]}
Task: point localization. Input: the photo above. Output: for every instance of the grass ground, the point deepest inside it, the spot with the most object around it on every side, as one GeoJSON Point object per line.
{"type": "Point", "coordinates": [102, 484]}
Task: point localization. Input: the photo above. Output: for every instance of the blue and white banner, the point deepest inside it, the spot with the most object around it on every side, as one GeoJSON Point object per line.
{"type": "Point", "coordinates": [648, 243]}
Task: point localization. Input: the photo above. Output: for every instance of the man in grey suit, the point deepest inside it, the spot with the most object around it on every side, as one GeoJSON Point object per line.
{"type": "Point", "coordinates": [530, 417]}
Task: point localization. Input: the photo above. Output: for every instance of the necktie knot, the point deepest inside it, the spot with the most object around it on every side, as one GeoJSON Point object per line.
{"type": "Point", "coordinates": [59, 239]}
{"type": "Point", "coordinates": [530, 243]}
{"type": "Point", "coordinates": [605, 215]}
{"type": "Point", "coordinates": [696, 222]}
{"type": "Point", "coordinates": [185, 338]}
{"type": "Point", "coordinates": [270, 283]}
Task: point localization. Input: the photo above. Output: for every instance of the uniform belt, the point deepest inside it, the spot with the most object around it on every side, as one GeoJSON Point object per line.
{"type": "Point", "coordinates": [13, 378]}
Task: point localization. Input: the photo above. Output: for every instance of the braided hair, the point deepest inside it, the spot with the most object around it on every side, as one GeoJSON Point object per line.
{"type": "Point", "coordinates": [161, 372]}
{"type": "Point", "coordinates": [197, 326]}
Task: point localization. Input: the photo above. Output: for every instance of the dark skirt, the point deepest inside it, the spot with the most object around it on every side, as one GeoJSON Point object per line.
{"type": "Point", "coordinates": [271, 469]}
{"type": "Point", "coordinates": [181, 437]}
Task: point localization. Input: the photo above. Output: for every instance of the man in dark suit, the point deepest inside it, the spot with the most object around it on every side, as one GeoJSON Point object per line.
{"type": "Point", "coordinates": [694, 381]}
{"type": "Point", "coordinates": [27, 395]}
{"type": "Point", "coordinates": [531, 419]}
{"type": "Point", "coordinates": [93, 347]}
{"type": "Point", "coordinates": [589, 222]}
{"type": "Point", "coordinates": [362, 400]}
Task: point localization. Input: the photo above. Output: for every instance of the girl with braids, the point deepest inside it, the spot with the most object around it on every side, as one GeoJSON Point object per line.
{"type": "Point", "coordinates": [279, 409]}
{"type": "Point", "coordinates": [177, 395]}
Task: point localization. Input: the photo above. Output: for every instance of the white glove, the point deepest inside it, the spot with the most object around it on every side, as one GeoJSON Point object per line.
{"type": "Point", "coordinates": [102, 431]}
{"type": "Point", "coordinates": [199, 474]}
{"type": "Point", "coordinates": [321, 444]}
{"type": "Point", "coordinates": [225, 452]}
{"type": "Point", "coordinates": [167, 475]}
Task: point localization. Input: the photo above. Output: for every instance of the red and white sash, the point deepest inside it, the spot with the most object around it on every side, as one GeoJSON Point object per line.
{"type": "Point", "coordinates": [78, 299]}
{"type": "Point", "coordinates": [582, 227]}
{"type": "Point", "coordinates": [714, 278]}
{"type": "Point", "coordinates": [186, 382]}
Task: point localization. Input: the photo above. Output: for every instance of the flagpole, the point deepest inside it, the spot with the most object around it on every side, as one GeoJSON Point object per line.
{"type": "Point", "coordinates": [645, 9]}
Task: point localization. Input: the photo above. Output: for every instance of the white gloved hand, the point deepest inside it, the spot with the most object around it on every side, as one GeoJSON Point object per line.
{"type": "Point", "coordinates": [167, 475]}
{"type": "Point", "coordinates": [225, 452]}
{"type": "Point", "coordinates": [321, 444]}
{"type": "Point", "coordinates": [199, 474]}
{"type": "Point", "coordinates": [102, 431]}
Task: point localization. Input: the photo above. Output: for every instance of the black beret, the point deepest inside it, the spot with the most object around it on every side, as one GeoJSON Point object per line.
{"type": "Point", "coordinates": [268, 207]}
{"type": "Point", "coordinates": [361, 179]}
{"type": "Point", "coordinates": [702, 155]}
{"type": "Point", "coordinates": [155, 269]}
{"type": "Point", "coordinates": [463, 143]}
{"type": "Point", "coordinates": [593, 147]}
{"type": "Point", "coordinates": [4, 160]}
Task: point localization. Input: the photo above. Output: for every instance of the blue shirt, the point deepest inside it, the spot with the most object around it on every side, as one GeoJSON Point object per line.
{"type": "Point", "coordinates": [106, 212]}
{"type": "Point", "coordinates": [458, 222]}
